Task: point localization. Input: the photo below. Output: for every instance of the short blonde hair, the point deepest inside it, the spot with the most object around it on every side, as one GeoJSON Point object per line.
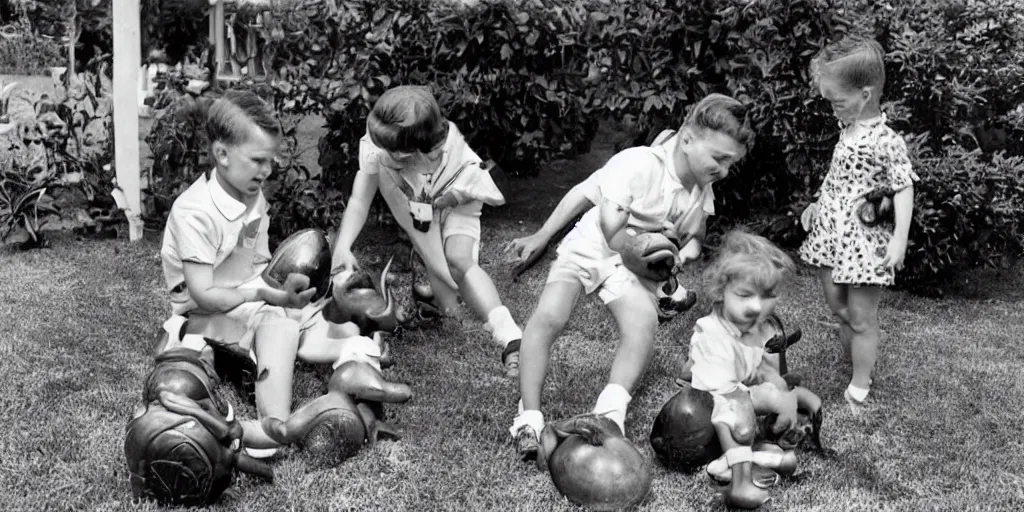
{"type": "Point", "coordinates": [721, 113]}
{"type": "Point", "coordinates": [855, 61]}
{"type": "Point", "coordinates": [230, 117]}
{"type": "Point", "coordinates": [746, 257]}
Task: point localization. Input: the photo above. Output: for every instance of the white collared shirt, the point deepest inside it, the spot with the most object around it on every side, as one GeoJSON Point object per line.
{"type": "Point", "coordinates": [644, 180]}
{"type": "Point", "coordinates": [208, 226]}
{"type": "Point", "coordinates": [724, 359]}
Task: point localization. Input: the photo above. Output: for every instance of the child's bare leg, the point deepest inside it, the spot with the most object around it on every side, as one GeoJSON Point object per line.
{"type": "Point", "coordinates": [545, 325]}
{"type": "Point", "coordinates": [482, 298]}
{"type": "Point", "coordinates": [323, 343]}
{"type": "Point", "coordinates": [444, 297]}
{"type": "Point", "coordinates": [637, 317]}
{"type": "Point", "coordinates": [737, 438]}
{"type": "Point", "coordinates": [863, 309]}
{"type": "Point", "coordinates": [276, 345]}
{"type": "Point", "coordinates": [836, 296]}
{"type": "Point", "coordinates": [806, 399]}
{"type": "Point", "coordinates": [477, 288]}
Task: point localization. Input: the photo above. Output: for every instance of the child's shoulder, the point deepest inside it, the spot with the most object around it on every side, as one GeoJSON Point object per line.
{"type": "Point", "coordinates": [195, 197]}
{"type": "Point", "coordinates": [637, 159]}
{"type": "Point", "coordinates": [707, 324]}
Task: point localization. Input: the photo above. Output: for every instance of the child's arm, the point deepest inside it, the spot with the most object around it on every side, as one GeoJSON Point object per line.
{"type": "Point", "coordinates": [903, 208]}
{"type": "Point", "coordinates": [772, 395]}
{"type": "Point", "coordinates": [215, 299]}
{"type": "Point", "coordinates": [572, 205]}
{"type": "Point", "coordinates": [352, 221]}
{"type": "Point", "coordinates": [613, 219]}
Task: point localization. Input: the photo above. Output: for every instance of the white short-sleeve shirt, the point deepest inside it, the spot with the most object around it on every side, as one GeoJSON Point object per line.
{"type": "Point", "coordinates": [208, 226]}
{"type": "Point", "coordinates": [644, 181]}
{"type": "Point", "coordinates": [724, 359]}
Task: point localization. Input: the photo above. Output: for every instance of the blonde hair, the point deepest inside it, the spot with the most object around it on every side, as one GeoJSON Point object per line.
{"type": "Point", "coordinates": [721, 113]}
{"type": "Point", "coordinates": [230, 117]}
{"type": "Point", "coordinates": [407, 118]}
{"type": "Point", "coordinates": [855, 61]}
{"type": "Point", "coordinates": [746, 257]}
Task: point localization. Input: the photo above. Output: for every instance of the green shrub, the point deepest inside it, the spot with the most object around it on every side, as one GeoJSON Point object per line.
{"type": "Point", "coordinates": [955, 69]}
{"type": "Point", "coordinates": [528, 81]}
{"type": "Point", "coordinates": [503, 75]}
{"type": "Point", "coordinates": [968, 213]}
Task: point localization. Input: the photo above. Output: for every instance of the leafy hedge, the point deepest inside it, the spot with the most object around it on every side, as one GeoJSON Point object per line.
{"type": "Point", "coordinates": [529, 81]}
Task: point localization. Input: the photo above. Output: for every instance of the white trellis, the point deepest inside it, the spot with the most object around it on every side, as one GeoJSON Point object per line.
{"type": "Point", "coordinates": [127, 64]}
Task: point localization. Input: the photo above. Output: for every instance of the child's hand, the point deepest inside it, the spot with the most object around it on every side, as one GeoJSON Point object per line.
{"type": "Point", "coordinates": [895, 253]}
{"type": "Point", "coordinates": [295, 293]}
{"type": "Point", "coordinates": [342, 261]}
{"type": "Point", "coordinates": [809, 215]}
{"type": "Point", "coordinates": [447, 200]}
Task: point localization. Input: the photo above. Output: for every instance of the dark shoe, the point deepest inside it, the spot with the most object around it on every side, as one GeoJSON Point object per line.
{"type": "Point", "coordinates": [510, 359]}
{"type": "Point", "coordinates": [527, 443]}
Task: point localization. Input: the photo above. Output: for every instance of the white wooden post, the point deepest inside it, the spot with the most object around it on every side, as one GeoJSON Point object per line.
{"type": "Point", "coordinates": [127, 61]}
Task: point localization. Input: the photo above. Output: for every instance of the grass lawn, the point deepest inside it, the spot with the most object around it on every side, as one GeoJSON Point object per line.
{"type": "Point", "coordinates": [943, 431]}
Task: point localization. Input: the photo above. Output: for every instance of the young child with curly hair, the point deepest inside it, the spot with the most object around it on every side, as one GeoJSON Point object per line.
{"type": "Point", "coordinates": [727, 350]}
{"type": "Point", "coordinates": [858, 255]}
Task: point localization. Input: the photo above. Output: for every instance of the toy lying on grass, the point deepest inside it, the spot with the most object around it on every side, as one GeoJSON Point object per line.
{"type": "Point", "coordinates": [183, 445]}
{"type": "Point", "coordinates": [337, 424]}
{"type": "Point", "coordinates": [685, 439]}
{"type": "Point", "coordinates": [592, 464]}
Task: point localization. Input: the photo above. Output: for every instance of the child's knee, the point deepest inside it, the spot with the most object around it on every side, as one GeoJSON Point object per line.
{"type": "Point", "coordinates": [549, 321]}
{"type": "Point", "coordinates": [862, 321]}
{"type": "Point", "coordinates": [742, 433]}
{"type": "Point", "coordinates": [460, 260]}
{"type": "Point", "coordinates": [276, 327]}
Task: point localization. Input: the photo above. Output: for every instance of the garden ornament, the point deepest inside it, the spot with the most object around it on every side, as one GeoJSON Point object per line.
{"type": "Point", "coordinates": [183, 445]}
{"type": "Point", "coordinates": [876, 208]}
{"type": "Point", "coordinates": [305, 252]}
{"type": "Point", "coordinates": [592, 464]}
{"type": "Point", "coordinates": [684, 439]}
{"type": "Point", "coordinates": [355, 299]}
{"type": "Point", "coordinates": [336, 425]}
{"type": "Point", "coordinates": [649, 255]}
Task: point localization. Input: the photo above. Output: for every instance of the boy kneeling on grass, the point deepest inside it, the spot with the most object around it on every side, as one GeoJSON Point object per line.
{"type": "Point", "coordinates": [664, 189]}
{"type": "Point", "coordinates": [215, 248]}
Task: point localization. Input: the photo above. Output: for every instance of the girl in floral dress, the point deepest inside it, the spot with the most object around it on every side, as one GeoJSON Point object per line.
{"type": "Point", "coordinates": [857, 259]}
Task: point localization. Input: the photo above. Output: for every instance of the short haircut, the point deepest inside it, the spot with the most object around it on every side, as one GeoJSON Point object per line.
{"type": "Point", "coordinates": [746, 257]}
{"type": "Point", "coordinates": [721, 113]}
{"type": "Point", "coordinates": [855, 61]}
{"type": "Point", "coordinates": [407, 118]}
{"type": "Point", "coordinates": [230, 118]}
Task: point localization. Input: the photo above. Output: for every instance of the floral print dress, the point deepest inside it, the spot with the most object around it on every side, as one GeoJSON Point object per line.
{"type": "Point", "coordinates": [869, 156]}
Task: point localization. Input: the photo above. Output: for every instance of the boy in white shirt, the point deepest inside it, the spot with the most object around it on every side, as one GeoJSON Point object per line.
{"type": "Point", "coordinates": [663, 189]}
{"type": "Point", "coordinates": [215, 248]}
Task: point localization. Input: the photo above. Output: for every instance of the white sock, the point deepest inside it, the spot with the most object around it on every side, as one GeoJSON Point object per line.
{"type": "Point", "coordinates": [502, 327]}
{"type": "Point", "coordinates": [857, 394]}
{"type": "Point", "coordinates": [532, 418]}
{"type": "Point", "coordinates": [612, 402]}
{"type": "Point", "coordinates": [738, 455]}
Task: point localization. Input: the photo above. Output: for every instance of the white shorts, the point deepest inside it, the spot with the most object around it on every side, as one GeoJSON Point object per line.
{"type": "Point", "coordinates": [610, 279]}
{"type": "Point", "coordinates": [238, 326]}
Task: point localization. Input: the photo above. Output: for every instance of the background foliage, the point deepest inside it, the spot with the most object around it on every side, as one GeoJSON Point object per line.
{"type": "Point", "coordinates": [529, 81]}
